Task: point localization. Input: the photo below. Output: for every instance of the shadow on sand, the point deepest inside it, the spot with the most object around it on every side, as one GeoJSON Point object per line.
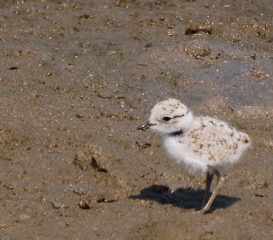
{"type": "Point", "coordinates": [185, 198]}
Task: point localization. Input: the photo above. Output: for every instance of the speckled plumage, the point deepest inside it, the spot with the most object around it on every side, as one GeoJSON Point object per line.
{"type": "Point", "coordinates": [207, 142]}
{"type": "Point", "coordinates": [201, 144]}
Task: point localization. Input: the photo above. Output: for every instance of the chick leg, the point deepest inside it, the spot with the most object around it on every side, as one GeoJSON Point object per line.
{"type": "Point", "coordinates": [220, 182]}
{"type": "Point", "coordinates": [208, 184]}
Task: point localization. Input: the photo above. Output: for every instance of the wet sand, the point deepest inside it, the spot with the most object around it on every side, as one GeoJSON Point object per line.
{"type": "Point", "coordinates": [78, 77]}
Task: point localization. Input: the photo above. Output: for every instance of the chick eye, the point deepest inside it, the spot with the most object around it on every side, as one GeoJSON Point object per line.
{"type": "Point", "coordinates": [166, 119]}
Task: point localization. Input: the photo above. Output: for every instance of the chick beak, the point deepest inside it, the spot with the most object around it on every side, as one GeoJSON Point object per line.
{"type": "Point", "coordinates": [145, 126]}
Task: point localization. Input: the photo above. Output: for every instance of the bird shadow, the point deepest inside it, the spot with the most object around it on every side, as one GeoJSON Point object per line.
{"type": "Point", "coordinates": [185, 198]}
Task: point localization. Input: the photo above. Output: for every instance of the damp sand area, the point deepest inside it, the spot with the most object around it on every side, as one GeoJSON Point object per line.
{"type": "Point", "coordinates": [78, 77]}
